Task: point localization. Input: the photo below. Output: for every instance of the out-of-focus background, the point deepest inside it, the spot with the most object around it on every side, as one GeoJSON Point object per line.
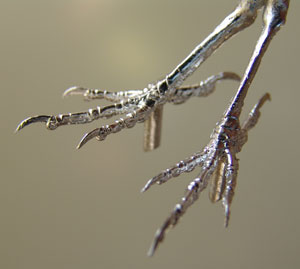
{"type": "Point", "coordinates": [66, 208]}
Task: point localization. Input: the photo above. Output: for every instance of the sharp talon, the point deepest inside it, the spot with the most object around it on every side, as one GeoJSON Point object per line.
{"type": "Point", "coordinates": [144, 189]}
{"type": "Point", "coordinates": [230, 75]}
{"type": "Point", "coordinates": [226, 222]}
{"type": "Point", "coordinates": [228, 136]}
{"type": "Point", "coordinates": [152, 249]}
{"type": "Point", "coordinates": [158, 238]}
{"type": "Point", "coordinates": [227, 216]}
{"type": "Point", "coordinates": [75, 90]}
{"type": "Point", "coordinates": [30, 120]}
{"type": "Point", "coordinates": [88, 137]}
{"type": "Point", "coordinates": [263, 99]}
{"type": "Point", "coordinates": [147, 186]}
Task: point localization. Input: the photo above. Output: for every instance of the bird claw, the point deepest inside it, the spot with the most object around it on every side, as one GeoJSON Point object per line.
{"type": "Point", "coordinates": [87, 137]}
{"type": "Point", "coordinates": [75, 90]}
{"type": "Point", "coordinates": [30, 120]}
{"type": "Point", "coordinates": [228, 137]}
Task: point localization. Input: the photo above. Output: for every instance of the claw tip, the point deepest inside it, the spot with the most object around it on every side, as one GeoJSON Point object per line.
{"type": "Point", "coordinates": [19, 127]}
{"type": "Point", "coordinates": [152, 249]}
{"type": "Point", "coordinates": [87, 137]}
{"type": "Point", "coordinates": [226, 222]}
{"type": "Point", "coordinates": [147, 186]}
{"type": "Point", "coordinates": [30, 120]}
{"type": "Point", "coordinates": [150, 253]}
{"type": "Point", "coordinates": [78, 146]}
{"type": "Point", "coordinates": [81, 143]}
{"type": "Point", "coordinates": [143, 189]}
{"type": "Point", "coordinates": [230, 75]}
{"type": "Point", "coordinates": [70, 91]}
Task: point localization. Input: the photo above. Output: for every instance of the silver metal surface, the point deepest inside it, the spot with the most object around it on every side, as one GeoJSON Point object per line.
{"type": "Point", "coordinates": [137, 105]}
{"type": "Point", "coordinates": [228, 137]}
{"type": "Point", "coordinates": [218, 159]}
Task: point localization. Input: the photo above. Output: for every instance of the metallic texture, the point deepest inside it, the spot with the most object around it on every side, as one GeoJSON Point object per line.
{"type": "Point", "coordinates": [229, 136]}
{"type": "Point", "coordinates": [137, 105]}
{"type": "Point", "coordinates": [219, 167]}
{"type": "Point", "coordinates": [217, 161]}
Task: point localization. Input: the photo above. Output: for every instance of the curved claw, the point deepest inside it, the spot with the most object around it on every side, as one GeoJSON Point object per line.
{"type": "Point", "coordinates": [75, 90]}
{"type": "Point", "coordinates": [262, 100]}
{"type": "Point", "coordinates": [30, 120]}
{"type": "Point", "coordinates": [227, 216]}
{"type": "Point", "coordinates": [158, 238]}
{"type": "Point", "coordinates": [185, 166]}
{"type": "Point", "coordinates": [88, 136]}
{"type": "Point", "coordinates": [147, 185]}
{"type": "Point", "coordinates": [228, 75]}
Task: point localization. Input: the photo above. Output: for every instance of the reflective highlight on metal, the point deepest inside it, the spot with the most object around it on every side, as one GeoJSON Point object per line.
{"type": "Point", "coordinates": [217, 161]}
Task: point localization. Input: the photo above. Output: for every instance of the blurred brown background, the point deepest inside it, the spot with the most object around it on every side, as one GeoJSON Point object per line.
{"type": "Point", "coordinates": [63, 208]}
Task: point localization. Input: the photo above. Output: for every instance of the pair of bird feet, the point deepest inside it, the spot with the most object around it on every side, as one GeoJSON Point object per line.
{"type": "Point", "coordinates": [217, 161]}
